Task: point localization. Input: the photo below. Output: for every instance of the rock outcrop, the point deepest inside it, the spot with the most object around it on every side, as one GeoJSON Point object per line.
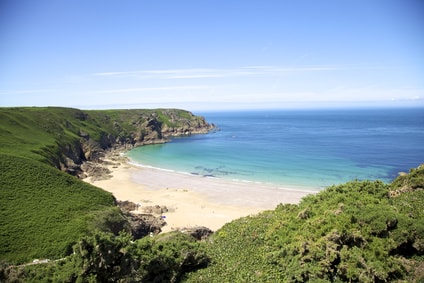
{"type": "Point", "coordinates": [123, 130]}
{"type": "Point", "coordinates": [145, 224]}
{"type": "Point", "coordinates": [150, 221]}
{"type": "Point", "coordinates": [142, 224]}
{"type": "Point", "coordinates": [199, 232]}
{"type": "Point", "coordinates": [408, 182]}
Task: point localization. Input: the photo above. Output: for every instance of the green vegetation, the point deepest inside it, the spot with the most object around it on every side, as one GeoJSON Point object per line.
{"type": "Point", "coordinates": [353, 232]}
{"type": "Point", "coordinates": [53, 134]}
{"type": "Point", "coordinates": [43, 211]}
{"type": "Point", "coordinates": [103, 257]}
{"type": "Point", "coordinates": [356, 232]}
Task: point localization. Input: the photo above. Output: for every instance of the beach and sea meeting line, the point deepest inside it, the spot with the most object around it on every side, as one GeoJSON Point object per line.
{"type": "Point", "coordinates": [303, 149]}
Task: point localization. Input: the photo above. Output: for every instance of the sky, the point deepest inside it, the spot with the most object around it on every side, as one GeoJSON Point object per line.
{"type": "Point", "coordinates": [211, 54]}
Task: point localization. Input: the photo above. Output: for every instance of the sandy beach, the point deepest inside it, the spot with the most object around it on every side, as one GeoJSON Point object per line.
{"type": "Point", "coordinates": [194, 200]}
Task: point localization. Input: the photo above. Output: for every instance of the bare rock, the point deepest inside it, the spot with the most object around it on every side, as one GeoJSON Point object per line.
{"type": "Point", "coordinates": [127, 206]}
{"type": "Point", "coordinates": [198, 232]}
{"type": "Point", "coordinates": [144, 224]}
{"type": "Point", "coordinates": [156, 209]}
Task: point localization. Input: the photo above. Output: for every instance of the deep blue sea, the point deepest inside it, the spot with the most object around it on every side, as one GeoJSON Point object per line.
{"type": "Point", "coordinates": [297, 148]}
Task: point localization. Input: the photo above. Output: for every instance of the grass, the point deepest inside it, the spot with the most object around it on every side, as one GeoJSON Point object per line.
{"type": "Point", "coordinates": [39, 133]}
{"type": "Point", "coordinates": [43, 211]}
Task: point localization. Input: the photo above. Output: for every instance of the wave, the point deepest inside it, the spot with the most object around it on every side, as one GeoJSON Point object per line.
{"type": "Point", "coordinates": [306, 189]}
{"type": "Point", "coordinates": [138, 164]}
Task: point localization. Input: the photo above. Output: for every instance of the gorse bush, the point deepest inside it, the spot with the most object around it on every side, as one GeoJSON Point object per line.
{"type": "Point", "coordinates": [104, 257]}
{"type": "Point", "coordinates": [355, 232]}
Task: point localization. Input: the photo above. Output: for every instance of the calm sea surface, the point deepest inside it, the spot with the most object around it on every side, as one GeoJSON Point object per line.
{"type": "Point", "coordinates": [308, 148]}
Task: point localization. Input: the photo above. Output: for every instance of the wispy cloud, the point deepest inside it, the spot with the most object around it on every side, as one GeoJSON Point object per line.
{"type": "Point", "coordinates": [147, 89]}
{"type": "Point", "coordinates": [177, 73]}
{"type": "Point", "coordinates": [196, 73]}
{"type": "Point", "coordinates": [26, 91]}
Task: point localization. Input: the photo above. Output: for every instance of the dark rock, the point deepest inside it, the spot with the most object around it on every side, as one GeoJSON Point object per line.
{"type": "Point", "coordinates": [199, 232]}
{"type": "Point", "coordinates": [144, 224]}
{"type": "Point", "coordinates": [96, 171]}
{"type": "Point", "coordinates": [127, 206]}
{"type": "Point", "coordinates": [156, 209]}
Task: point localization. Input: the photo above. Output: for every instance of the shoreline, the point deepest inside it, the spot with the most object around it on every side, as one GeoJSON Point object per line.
{"type": "Point", "coordinates": [192, 200]}
{"type": "Point", "coordinates": [302, 188]}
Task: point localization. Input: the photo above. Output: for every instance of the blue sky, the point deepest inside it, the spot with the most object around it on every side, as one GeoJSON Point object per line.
{"type": "Point", "coordinates": [211, 55]}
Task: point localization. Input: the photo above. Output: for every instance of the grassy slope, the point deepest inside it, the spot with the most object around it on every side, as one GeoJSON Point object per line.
{"type": "Point", "coordinates": [44, 211]}
{"type": "Point", "coordinates": [22, 134]}
{"type": "Point", "coordinates": [38, 133]}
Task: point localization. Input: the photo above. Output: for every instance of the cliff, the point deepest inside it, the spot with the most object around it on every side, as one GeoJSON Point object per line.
{"type": "Point", "coordinates": [66, 137]}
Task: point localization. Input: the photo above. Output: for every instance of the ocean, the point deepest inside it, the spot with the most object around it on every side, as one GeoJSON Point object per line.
{"type": "Point", "coordinates": [297, 148]}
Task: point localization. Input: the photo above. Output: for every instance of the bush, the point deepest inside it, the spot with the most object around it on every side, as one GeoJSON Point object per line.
{"type": "Point", "coordinates": [352, 232]}
{"type": "Point", "coordinates": [104, 257]}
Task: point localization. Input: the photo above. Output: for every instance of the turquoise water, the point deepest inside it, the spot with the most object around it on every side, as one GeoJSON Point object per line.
{"type": "Point", "coordinates": [314, 148]}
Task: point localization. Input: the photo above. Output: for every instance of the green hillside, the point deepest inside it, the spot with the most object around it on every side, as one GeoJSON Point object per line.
{"type": "Point", "coordinates": [43, 211]}
{"type": "Point", "coordinates": [54, 134]}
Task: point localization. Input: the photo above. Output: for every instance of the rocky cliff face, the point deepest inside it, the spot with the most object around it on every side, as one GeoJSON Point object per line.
{"type": "Point", "coordinates": [124, 130]}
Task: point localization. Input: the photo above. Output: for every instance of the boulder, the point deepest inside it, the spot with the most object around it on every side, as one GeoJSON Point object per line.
{"type": "Point", "coordinates": [198, 232]}
{"type": "Point", "coordinates": [145, 224]}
